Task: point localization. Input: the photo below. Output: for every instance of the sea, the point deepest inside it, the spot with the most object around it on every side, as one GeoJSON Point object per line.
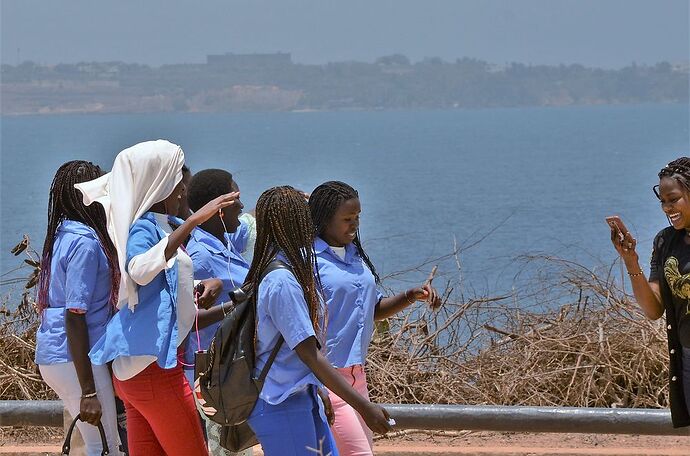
{"type": "Point", "coordinates": [472, 191]}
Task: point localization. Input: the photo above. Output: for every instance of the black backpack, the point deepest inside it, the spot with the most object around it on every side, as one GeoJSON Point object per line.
{"type": "Point", "coordinates": [224, 374]}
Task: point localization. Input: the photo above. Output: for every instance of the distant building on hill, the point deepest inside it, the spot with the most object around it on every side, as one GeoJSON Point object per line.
{"type": "Point", "coordinates": [229, 59]}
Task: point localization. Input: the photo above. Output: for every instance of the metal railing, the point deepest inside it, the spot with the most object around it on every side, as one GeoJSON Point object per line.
{"type": "Point", "coordinates": [445, 417]}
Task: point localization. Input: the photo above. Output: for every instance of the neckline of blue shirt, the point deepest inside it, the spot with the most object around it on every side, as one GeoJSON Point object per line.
{"type": "Point", "coordinates": [321, 246]}
{"type": "Point", "coordinates": [75, 227]}
{"type": "Point", "coordinates": [214, 245]}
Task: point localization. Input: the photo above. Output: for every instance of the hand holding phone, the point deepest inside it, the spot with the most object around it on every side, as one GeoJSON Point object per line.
{"type": "Point", "coordinates": [620, 236]}
{"type": "Point", "coordinates": [617, 226]}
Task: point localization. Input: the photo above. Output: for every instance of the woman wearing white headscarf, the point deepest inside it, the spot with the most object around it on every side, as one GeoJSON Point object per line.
{"type": "Point", "coordinates": [156, 306]}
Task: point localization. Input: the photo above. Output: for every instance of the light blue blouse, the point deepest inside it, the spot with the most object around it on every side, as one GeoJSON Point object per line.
{"type": "Point", "coordinates": [351, 296]}
{"type": "Point", "coordinates": [79, 279]}
{"type": "Point", "coordinates": [151, 329]}
{"type": "Point", "coordinates": [282, 309]}
{"type": "Point", "coordinates": [211, 258]}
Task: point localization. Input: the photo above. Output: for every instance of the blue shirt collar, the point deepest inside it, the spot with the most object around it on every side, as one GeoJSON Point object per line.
{"type": "Point", "coordinates": [75, 227]}
{"type": "Point", "coordinates": [214, 245]}
{"type": "Point", "coordinates": [321, 246]}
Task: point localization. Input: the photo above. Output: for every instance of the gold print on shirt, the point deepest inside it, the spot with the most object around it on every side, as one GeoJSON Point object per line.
{"type": "Point", "coordinates": [679, 284]}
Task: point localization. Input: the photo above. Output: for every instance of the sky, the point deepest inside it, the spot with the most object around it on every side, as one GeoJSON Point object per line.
{"type": "Point", "coordinates": [602, 33]}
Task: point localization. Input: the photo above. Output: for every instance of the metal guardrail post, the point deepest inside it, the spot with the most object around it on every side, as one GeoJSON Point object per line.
{"type": "Point", "coordinates": [535, 419]}
{"type": "Point", "coordinates": [31, 413]}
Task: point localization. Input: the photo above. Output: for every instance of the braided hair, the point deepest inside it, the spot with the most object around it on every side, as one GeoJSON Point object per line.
{"type": "Point", "coordinates": [65, 202]}
{"type": "Point", "coordinates": [324, 201]}
{"type": "Point", "coordinates": [678, 169]}
{"type": "Point", "coordinates": [284, 225]}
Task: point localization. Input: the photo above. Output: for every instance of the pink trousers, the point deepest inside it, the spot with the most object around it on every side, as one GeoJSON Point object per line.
{"type": "Point", "coordinates": [352, 436]}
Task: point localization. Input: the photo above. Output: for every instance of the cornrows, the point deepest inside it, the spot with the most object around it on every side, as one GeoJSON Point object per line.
{"type": "Point", "coordinates": [678, 169]}
{"type": "Point", "coordinates": [284, 224]}
{"type": "Point", "coordinates": [324, 202]}
{"type": "Point", "coordinates": [65, 202]}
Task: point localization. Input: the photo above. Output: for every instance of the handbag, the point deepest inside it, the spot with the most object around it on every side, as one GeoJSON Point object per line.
{"type": "Point", "coordinates": [67, 445]}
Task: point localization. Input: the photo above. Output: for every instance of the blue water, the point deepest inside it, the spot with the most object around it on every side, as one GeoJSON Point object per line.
{"type": "Point", "coordinates": [543, 178]}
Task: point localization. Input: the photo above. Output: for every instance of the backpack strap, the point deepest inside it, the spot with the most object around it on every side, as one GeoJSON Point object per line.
{"type": "Point", "coordinates": [272, 266]}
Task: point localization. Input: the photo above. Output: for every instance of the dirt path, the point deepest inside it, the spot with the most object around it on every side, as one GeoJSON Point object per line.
{"type": "Point", "coordinates": [477, 443]}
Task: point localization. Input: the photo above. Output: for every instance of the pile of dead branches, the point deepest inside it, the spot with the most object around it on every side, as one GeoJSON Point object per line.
{"type": "Point", "coordinates": [19, 378]}
{"type": "Point", "coordinates": [570, 337]}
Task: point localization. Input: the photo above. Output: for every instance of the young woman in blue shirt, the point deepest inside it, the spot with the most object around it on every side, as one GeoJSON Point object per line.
{"type": "Point", "coordinates": [349, 282]}
{"type": "Point", "coordinates": [78, 287]}
{"type": "Point", "coordinates": [288, 418]}
{"type": "Point", "coordinates": [156, 300]}
{"type": "Point", "coordinates": [213, 248]}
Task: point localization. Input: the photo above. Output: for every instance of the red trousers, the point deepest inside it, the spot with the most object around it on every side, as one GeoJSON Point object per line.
{"type": "Point", "coordinates": [161, 415]}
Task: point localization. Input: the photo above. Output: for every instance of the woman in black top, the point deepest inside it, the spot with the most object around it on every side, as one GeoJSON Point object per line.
{"type": "Point", "coordinates": [668, 288]}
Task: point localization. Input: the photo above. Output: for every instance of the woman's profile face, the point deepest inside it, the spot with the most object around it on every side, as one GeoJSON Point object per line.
{"type": "Point", "coordinates": [172, 202]}
{"type": "Point", "coordinates": [675, 202]}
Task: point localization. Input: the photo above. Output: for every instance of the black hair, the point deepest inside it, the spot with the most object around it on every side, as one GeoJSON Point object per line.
{"type": "Point", "coordinates": [207, 185]}
{"type": "Point", "coordinates": [284, 225]}
{"type": "Point", "coordinates": [66, 202]}
{"type": "Point", "coordinates": [324, 201]}
{"type": "Point", "coordinates": [678, 169]}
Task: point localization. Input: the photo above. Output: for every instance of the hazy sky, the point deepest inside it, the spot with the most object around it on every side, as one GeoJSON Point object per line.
{"type": "Point", "coordinates": [607, 33]}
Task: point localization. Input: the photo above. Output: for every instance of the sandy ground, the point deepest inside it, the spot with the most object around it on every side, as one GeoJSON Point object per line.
{"type": "Point", "coordinates": [41, 441]}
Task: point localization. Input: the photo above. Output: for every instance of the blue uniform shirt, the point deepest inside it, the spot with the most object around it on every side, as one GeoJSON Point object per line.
{"type": "Point", "coordinates": [151, 329]}
{"type": "Point", "coordinates": [351, 296]}
{"type": "Point", "coordinates": [212, 259]}
{"type": "Point", "coordinates": [282, 309]}
{"type": "Point", "coordinates": [79, 279]}
{"type": "Point", "coordinates": [240, 238]}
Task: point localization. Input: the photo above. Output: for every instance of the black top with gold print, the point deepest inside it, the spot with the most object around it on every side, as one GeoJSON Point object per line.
{"type": "Point", "coordinates": [676, 273]}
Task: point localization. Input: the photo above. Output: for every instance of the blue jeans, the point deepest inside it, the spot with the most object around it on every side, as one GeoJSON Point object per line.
{"type": "Point", "coordinates": [293, 426]}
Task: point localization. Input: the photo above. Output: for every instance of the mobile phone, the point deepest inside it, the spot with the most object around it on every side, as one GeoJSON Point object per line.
{"type": "Point", "coordinates": [617, 224]}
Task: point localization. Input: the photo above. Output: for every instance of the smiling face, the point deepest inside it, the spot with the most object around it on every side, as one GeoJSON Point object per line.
{"type": "Point", "coordinates": [675, 202]}
{"type": "Point", "coordinates": [343, 226]}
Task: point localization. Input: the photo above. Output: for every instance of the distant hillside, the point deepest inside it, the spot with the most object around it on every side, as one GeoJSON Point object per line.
{"type": "Point", "coordinates": [272, 82]}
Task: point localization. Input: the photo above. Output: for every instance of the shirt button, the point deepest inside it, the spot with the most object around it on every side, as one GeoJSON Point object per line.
{"type": "Point", "coordinates": [673, 350]}
{"type": "Point", "coordinates": [668, 327]}
{"type": "Point", "coordinates": [673, 379]}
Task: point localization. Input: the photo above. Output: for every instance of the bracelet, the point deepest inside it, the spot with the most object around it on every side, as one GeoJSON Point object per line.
{"type": "Point", "coordinates": [636, 274]}
{"type": "Point", "coordinates": [410, 301]}
{"type": "Point", "coordinates": [86, 396]}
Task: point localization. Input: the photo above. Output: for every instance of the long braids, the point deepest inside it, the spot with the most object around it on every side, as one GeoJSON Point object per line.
{"type": "Point", "coordinates": [324, 202]}
{"type": "Point", "coordinates": [678, 169]}
{"type": "Point", "coordinates": [284, 225]}
{"type": "Point", "coordinates": [65, 202]}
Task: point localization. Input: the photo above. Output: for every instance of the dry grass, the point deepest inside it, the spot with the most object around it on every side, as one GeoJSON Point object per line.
{"type": "Point", "coordinates": [584, 344]}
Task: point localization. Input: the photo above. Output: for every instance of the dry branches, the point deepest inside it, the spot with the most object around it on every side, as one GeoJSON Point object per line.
{"type": "Point", "coordinates": [588, 346]}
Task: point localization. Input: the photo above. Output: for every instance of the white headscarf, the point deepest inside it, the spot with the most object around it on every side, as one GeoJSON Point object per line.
{"type": "Point", "coordinates": [142, 176]}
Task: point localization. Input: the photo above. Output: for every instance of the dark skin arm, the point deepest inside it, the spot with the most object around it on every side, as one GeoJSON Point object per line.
{"type": "Point", "coordinates": [78, 343]}
{"type": "Point", "coordinates": [389, 306]}
{"type": "Point", "coordinates": [181, 233]}
{"type": "Point", "coordinates": [375, 416]}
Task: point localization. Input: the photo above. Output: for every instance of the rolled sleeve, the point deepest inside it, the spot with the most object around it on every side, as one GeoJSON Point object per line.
{"type": "Point", "coordinates": [146, 254]}
{"type": "Point", "coordinates": [81, 276]}
{"type": "Point", "coordinates": [288, 310]}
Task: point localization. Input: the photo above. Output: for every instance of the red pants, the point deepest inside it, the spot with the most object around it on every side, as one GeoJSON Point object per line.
{"type": "Point", "coordinates": [161, 416]}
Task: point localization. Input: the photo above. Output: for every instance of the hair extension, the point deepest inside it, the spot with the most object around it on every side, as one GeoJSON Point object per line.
{"type": "Point", "coordinates": [324, 202]}
{"type": "Point", "coordinates": [284, 225]}
{"type": "Point", "coordinates": [65, 202]}
{"type": "Point", "coordinates": [207, 185]}
{"type": "Point", "coordinates": [678, 169]}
